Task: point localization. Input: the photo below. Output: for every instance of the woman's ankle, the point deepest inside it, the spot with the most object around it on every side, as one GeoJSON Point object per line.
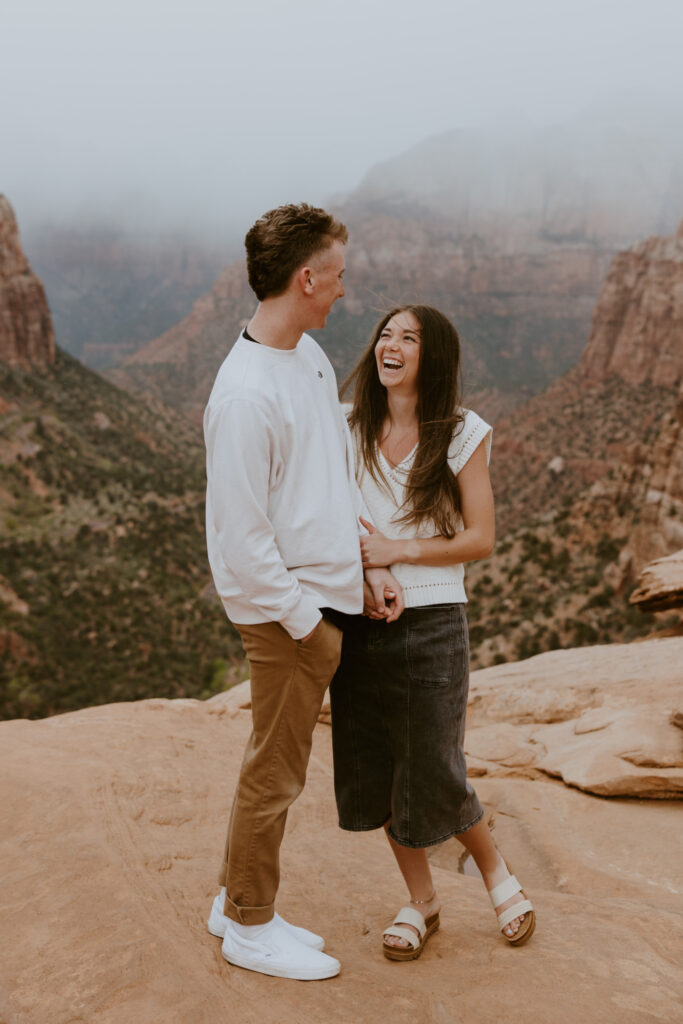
{"type": "Point", "coordinates": [423, 899]}
{"type": "Point", "coordinates": [426, 906]}
{"type": "Point", "coordinates": [495, 873]}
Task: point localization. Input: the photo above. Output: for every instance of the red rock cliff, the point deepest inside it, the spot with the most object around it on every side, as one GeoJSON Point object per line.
{"type": "Point", "coordinates": [26, 334]}
{"type": "Point", "coordinates": [637, 330]}
{"type": "Point", "coordinates": [652, 478]}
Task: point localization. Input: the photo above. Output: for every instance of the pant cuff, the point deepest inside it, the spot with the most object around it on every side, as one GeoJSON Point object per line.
{"type": "Point", "coordinates": [248, 915]}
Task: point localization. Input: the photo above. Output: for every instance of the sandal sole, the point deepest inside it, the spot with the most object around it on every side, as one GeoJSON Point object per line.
{"type": "Point", "coordinates": [399, 954]}
{"type": "Point", "coordinates": [519, 940]}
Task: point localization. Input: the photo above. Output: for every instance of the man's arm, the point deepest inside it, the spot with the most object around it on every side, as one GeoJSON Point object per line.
{"type": "Point", "coordinates": [359, 505]}
{"type": "Point", "coordinates": [239, 445]}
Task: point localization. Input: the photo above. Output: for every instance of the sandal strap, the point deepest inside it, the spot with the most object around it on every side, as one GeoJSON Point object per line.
{"type": "Point", "coordinates": [500, 893]}
{"type": "Point", "coordinates": [514, 911]}
{"type": "Point", "coordinates": [404, 933]}
{"type": "Point", "coordinates": [407, 915]}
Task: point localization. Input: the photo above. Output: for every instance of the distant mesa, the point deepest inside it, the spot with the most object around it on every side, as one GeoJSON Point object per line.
{"type": "Point", "coordinates": [179, 366]}
{"type": "Point", "coordinates": [112, 288]}
{"type": "Point", "coordinates": [511, 232]}
{"type": "Point", "coordinates": [27, 337]}
{"type": "Point", "coordinates": [584, 181]}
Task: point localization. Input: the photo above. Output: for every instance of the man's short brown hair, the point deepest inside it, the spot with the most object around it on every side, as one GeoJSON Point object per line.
{"type": "Point", "coordinates": [283, 240]}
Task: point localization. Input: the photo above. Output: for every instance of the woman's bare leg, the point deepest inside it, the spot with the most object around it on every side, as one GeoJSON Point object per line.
{"type": "Point", "coordinates": [414, 866]}
{"type": "Point", "coordinates": [478, 842]}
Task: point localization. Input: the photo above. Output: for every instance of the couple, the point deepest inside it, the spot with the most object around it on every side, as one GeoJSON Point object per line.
{"type": "Point", "coordinates": [312, 518]}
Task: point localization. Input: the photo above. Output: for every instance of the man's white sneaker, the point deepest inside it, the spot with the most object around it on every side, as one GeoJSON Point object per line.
{"type": "Point", "coordinates": [276, 952]}
{"type": "Point", "coordinates": [218, 922]}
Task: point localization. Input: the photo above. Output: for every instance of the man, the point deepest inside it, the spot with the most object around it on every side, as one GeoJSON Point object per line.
{"type": "Point", "coordinates": [282, 532]}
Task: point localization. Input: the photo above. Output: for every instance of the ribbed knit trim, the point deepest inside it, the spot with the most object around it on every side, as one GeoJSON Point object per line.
{"type": "Point", "coordinates": [419, 594]}
{"type": "Point", "coordinates": [476, 432]}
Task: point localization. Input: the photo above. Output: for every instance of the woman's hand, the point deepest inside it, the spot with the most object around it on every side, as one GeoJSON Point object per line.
{"type": "Point", "coordinates": [376, 549]}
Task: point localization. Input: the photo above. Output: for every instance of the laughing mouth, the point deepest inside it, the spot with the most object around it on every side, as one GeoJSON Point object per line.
{"type": "Point", "coordinates": [392, 364]}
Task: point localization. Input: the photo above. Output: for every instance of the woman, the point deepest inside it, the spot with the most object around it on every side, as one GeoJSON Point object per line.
{"type": "Point", "coordinates": [400, 694]}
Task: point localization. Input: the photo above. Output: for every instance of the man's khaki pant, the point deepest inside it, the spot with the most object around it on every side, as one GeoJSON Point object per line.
{"type": "Point", "coordinates": [288, 683]}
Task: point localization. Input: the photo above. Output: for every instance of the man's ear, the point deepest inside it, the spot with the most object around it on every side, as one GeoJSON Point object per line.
{"type": "Point", "coordinates": [304, 277]}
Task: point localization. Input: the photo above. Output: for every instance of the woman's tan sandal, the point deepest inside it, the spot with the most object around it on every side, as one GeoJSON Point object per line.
{"type": "Point", "coordinates": [416, 943]}
{"type": "Point", "coordinates": [505, 891]}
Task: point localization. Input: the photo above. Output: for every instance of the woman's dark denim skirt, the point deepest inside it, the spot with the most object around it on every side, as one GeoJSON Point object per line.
{"type": "Point", "coordinates": [399, 699]}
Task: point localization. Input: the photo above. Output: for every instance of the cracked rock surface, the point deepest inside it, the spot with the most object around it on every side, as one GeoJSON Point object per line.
{"type": "Point", "coordinates": [114, 824]}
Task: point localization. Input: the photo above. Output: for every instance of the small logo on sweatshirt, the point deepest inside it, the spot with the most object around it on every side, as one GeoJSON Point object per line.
{"type": "Point", "coordinates": [320, 374]}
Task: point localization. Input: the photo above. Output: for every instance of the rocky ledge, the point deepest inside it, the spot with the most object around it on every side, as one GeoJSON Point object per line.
{"type": "Point", "coordinates": [115, 817]}
{"type": "Point", "coordinates": [603, 719]}
{"type": "Point", "coordinates": [660, 584]}
{"type": "Point", "coordinates": [607, 720]}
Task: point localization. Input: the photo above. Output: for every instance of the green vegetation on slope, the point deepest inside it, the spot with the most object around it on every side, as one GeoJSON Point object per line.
{"type": "Point", "coordinates": [102, 545]}
{"type": "Point", "coordinates": [557, 583]}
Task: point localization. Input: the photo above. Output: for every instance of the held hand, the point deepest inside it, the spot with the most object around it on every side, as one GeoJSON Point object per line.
{"type": "Point", "coordinates": [369, 606]}
{"type": "Point", "coordinates": [376, 549]}
{"type": "Point", "coordinates": [385, 600]}
{"type": "Point", "coordinates": [395, 605]}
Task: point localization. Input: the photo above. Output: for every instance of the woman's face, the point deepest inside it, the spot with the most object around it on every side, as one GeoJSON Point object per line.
{"type": "Point", "coordinates": [397, 353]}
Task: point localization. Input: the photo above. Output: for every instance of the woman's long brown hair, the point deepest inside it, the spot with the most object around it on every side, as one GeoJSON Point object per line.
{"type": "Point", "coordinates": [432, 491]}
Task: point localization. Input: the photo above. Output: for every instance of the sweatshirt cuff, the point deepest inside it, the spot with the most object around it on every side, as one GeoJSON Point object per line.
{"type": "Point", "coordinates": [303, 619]}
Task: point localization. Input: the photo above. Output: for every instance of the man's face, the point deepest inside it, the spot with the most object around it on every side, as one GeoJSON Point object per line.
{"type": "Point", "coordinates": [327, 272]}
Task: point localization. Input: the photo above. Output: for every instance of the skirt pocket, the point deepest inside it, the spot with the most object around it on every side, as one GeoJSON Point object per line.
{"type": "Point", "coordinates": [437, 642]}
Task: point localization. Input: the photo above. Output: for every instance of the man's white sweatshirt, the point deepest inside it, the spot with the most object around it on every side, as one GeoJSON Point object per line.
{"type": "Point", "coordinates": [282, 504]}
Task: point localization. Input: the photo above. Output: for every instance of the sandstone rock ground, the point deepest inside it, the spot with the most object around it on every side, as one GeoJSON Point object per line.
{"type": "Point", "coordinates": [115, 818]}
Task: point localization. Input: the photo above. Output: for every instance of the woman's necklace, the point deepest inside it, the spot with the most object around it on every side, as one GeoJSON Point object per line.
{"type": "Point", "coordinates": [397, 444]}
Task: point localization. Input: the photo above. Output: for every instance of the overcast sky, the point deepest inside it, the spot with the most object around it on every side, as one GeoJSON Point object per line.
{"type": "Point", "coordinates": [208, 112]}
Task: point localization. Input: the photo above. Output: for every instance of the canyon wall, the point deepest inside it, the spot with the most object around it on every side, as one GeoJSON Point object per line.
{"type": "Point", "coordinates": [110, 290]}
{"type": "Point", "coordinates": [26, 333]}
{"type": "Point", "coordinates": [637, 330]}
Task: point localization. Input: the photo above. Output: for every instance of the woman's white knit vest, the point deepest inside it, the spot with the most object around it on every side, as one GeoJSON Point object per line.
{"type": "Point", "coordinates": [422, 584]}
